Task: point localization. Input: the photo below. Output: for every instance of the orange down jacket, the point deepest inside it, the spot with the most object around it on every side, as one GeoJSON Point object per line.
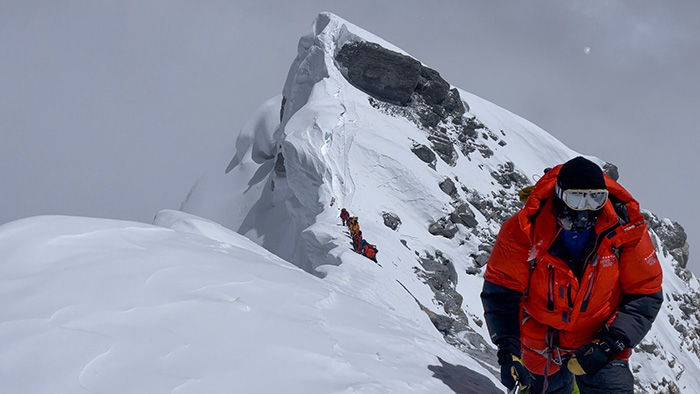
{"type": "Point", "coordinates": [620, 286]}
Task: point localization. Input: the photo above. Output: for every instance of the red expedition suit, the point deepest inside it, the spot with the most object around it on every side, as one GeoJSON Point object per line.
{"type": "Point", "coordinates": [536, 307]}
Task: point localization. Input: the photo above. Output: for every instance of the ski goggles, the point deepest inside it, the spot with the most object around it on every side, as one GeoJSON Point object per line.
{"type": "Point", "coordinates": [583, 199]}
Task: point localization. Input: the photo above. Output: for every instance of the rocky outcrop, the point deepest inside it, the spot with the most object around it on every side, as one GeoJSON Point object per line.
{"type": "Point", "coordinates": [424, 153]}
{"type": "Point", "coordinates": [397, 79]}
{"type": "Point", "coordinates": [448, 186]}
{"type": "Point", "coordinates": [498, 206]}
{"type": "Point", "coordinates": [439, 273]}
{"type": "Point", "coordinates": [508, 177]}
{"type": "Point", "coordinates": [462, 213]}
{"type": "Point", "coordinates": [391, 220]}
{"type": "Point", "coordinates": [399, 85]}
{"type": "Point", "coordinates": [464, 218]}
{"type": "Point", "coordinates": [383, 74]}
{"type": "Point", "coordinates": [673, 238]}
{"type": "Point", "coordinates": [443, 227]}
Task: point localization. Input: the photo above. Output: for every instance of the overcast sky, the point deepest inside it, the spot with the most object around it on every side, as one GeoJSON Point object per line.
{"type": "Point", "coordinates": [113, 108]}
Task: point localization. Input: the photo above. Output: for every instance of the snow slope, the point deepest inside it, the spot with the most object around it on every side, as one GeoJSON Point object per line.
{"type": "Point", "coordinates": [102, 306]}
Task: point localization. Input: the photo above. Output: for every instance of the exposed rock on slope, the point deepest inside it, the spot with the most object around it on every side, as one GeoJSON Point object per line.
{"type": "Point", "coordinates": [673, 238]}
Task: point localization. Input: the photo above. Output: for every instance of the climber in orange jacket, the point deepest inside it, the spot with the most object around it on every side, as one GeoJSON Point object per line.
{"type": "Point", "coordinates": [572, 284]}
{"type": "Point", "coordinates": [370, 251]}
{"type": "Point", "coordinates": [353, 225]}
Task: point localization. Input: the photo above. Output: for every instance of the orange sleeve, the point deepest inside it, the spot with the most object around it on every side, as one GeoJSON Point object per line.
{"type": "Point", "coordinates": [508, 264]}
{"type": "Point", "coordinates": [640, 270]}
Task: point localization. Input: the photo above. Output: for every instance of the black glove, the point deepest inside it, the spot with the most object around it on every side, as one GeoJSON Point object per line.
{"type": "Point", "coordinates": [514, 371]}
{"type": "Point", "coordinates": [592, 357]}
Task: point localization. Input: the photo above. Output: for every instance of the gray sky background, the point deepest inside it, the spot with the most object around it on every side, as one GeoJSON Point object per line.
{"type": "Point", "coordinates": [113, 108]}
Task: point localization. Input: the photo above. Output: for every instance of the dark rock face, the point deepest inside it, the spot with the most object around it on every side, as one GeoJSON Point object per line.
{"type": "Point", "coordinates": [439, 273]}
{"type": "Point", "coordinates": [442, 323]}
{"type": "Point", "coordinates": [463, 218]}
{"type": "Point", "coordinates": [453, 103]}
{"type": "Point", "coordinates": [444, 228]}
{"type": "Point", "coordinates": [424, 153]}
{"type": "Point", "coordinates": [650, 348]}
{"type": "Point", "coordinates": [463, 214]}
{"type": "Point", "coordinates": [673, 237]}
{"type": "Point", "coordinates": [448, 186]}
{"type": "Point", "coordinates": [485, 151]}
{"type": "Point", "coordinates": [507, 176]}
{"type": "Point", "coordinates": [398, 79]}
{"type": "Point", "coordinates": [386, 75]}
{"type": "Point", "coordinates": [443, 272]}
{"type": "Point", "coordinates": [391, 220]}
{"type": "Point", "coordinates": [399, 85]}
{"type": "Point", "coordinates": [432, 87]}
{"type": "Point", "coordinates": [497, 206]}
{"type": "Point", "coordinates": [444, 148]}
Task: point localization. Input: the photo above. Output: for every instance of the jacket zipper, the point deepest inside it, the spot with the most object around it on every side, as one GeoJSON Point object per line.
{"type": "Point", "coordinates": [589, 290]}
{"type": "Point", "coordinates": [550, 293]}
{"type": "Point", "coordinates": [593, 256]}
{"type": "Point", "coordinates": [599, 240]}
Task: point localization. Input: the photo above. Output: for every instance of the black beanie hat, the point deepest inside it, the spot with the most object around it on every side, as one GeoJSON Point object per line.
{"type": "Point", "coordinates": [580, 173]}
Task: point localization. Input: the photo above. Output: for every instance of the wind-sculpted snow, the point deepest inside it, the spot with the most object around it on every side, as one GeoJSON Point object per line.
{"type": "Point", "coordinates": [448, 172]}
{"type": "Point", "coordinates": [93, 305]}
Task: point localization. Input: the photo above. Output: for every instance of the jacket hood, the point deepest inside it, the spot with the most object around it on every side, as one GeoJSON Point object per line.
{"type": "Point", "coordinates": [620, 202]}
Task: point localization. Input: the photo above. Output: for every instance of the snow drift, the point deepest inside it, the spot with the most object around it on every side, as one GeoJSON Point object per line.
{"type": "Point", "coordinates": [94, 305]}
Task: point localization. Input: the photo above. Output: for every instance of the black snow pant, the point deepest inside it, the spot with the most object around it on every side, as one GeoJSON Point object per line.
{"type": "Point", "coordinates": [614, 378]}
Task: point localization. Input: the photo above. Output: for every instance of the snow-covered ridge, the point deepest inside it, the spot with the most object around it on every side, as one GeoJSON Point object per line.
{"type": "Point", "coordinates": [94, 305]}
